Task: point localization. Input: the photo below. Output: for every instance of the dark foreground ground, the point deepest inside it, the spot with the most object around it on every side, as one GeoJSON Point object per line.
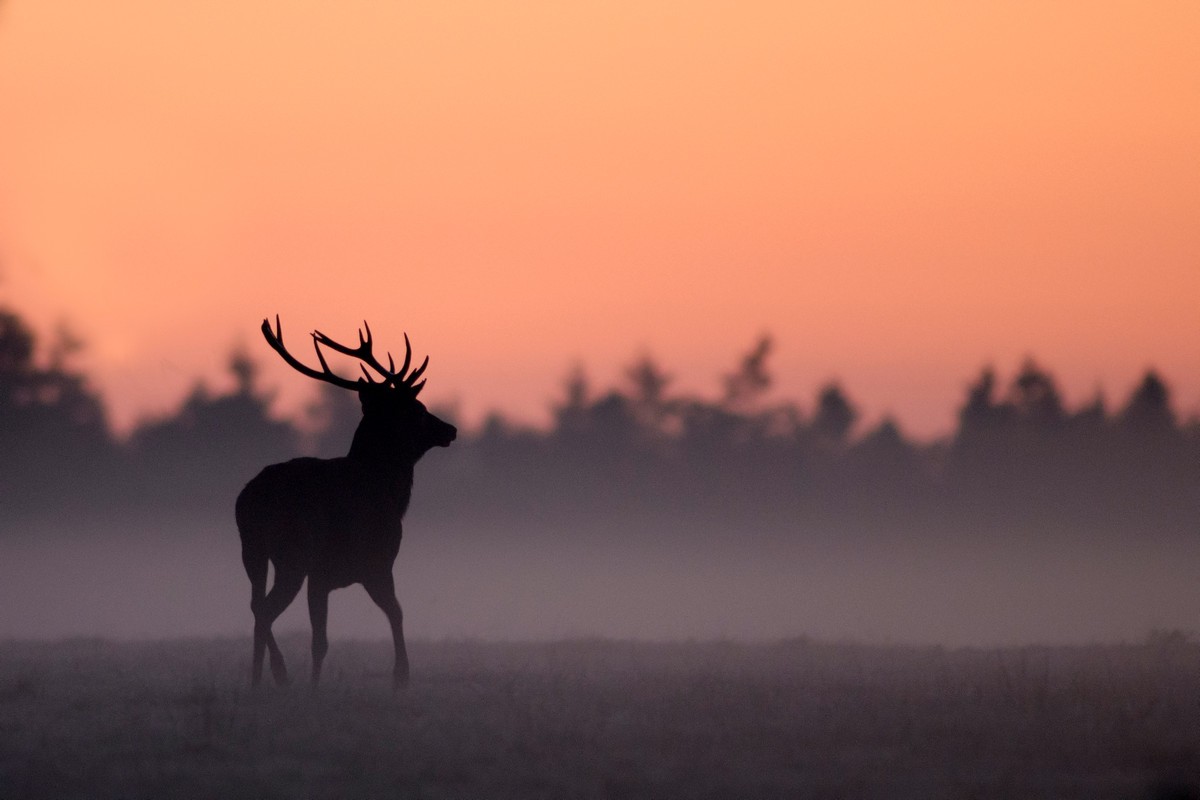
{"type": "Point", "coordinates": [596, 719]}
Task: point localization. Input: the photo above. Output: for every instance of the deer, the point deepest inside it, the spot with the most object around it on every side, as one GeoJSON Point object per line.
{"type": "Point", "coordinates": [337, 521]}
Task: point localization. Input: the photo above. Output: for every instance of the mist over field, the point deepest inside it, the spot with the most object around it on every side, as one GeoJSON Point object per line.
{"type": "Point", "coordinates": [187, 580]}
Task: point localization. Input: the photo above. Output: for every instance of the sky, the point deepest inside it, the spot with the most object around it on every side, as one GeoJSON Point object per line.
{"type": "Point", "coordinates": [900, 193]}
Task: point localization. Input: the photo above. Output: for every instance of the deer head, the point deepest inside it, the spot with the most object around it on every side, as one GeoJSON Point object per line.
{"type": "Point", "coordinates": [395, 425]}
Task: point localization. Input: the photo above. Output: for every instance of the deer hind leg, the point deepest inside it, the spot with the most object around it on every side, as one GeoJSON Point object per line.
{"type": "Point", "coordinates": [256, 569]}
{"type": "Point", "coordinates": [382, 591]}
{"type": "Point", "coordinates": [266, 611]}
{"type": "Point", "coordinates": [318, 615]}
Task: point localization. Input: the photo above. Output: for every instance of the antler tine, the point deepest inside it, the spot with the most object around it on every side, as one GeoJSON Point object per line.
{"type": "Point", "coordinates": [320, 356]}
{"type": "Point", "coordinates": [275, 340]}
{"type": "Point", "coordinates": [362, 352]}
{"type": "Point", "coordinates": [416, 373]}
{"type": "Point", "coordinates": [407, 358]}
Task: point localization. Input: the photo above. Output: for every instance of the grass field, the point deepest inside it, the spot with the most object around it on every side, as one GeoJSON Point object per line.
{"type": "Point", "coordinates": [596, 719]}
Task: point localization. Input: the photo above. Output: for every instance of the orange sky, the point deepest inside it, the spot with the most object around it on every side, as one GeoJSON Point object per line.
{"type": "Point", "coordinates": [900, 192]}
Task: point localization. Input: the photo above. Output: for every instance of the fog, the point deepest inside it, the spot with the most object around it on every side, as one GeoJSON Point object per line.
{"type": "Point", "coordinates": [186, 580]}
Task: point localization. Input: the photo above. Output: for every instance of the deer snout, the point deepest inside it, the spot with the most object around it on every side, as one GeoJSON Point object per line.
{"type": "Point", "coordinates": [447, 434]}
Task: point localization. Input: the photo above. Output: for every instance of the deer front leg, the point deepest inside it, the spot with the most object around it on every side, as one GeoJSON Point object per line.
{"type": "Point", "coordinates": [382, 591]}
{"type": "Point", "coordinates": [318, 615]}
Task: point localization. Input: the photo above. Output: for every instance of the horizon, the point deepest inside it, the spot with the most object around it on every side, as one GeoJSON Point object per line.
{"type": "Point", "coordinates": [1110, 399]}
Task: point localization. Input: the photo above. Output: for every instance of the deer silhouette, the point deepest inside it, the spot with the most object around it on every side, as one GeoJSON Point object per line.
{"type": "Point", "coordinates": [337, 521]}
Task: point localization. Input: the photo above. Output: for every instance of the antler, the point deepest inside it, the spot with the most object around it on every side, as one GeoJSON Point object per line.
{"type": "Point", "coordinates": [411, 380]}
{"type": "Point", "coordinates": [363, 353]}
{"type": "Point", "coordinates": [275, 339]}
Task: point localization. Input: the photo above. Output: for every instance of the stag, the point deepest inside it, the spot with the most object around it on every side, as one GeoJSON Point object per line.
{"type": "Point", "coordinates": [337, 521]}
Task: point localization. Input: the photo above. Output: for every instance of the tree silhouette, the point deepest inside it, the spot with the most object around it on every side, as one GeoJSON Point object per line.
{"type": "Point", "coordinates": [211, 445]}
{"type": "Point", "coordinates": [652, 406]}
{"type": "Point", "coordinates": [1155, 465]}
{"type": "Point", "coordinates": [888, 468]}
{"type": "Point", "coordinates": [835, 416]}
{"type": "Point", "coordinates": [54, 439]}
{"type": "Point", "coordinates": [1035, 397]}
{"type": "Point", "coordinates": [1149, 407]}
{"type": "Point", "coordinates": [748, 383]}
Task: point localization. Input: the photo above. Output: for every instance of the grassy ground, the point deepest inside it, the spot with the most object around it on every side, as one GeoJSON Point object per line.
{"type": "Point", "coordinates": [594, 719]}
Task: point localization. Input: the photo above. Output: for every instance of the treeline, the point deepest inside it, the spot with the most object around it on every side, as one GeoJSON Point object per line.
{"type": "Point", "coordinates": [640, 449]}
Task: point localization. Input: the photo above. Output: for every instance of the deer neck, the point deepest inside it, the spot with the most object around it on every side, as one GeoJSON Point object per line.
{"type": "Point", "coordinates": [382, 454]}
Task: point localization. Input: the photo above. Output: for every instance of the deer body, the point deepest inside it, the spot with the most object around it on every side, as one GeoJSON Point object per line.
{"type": "Point", "coordinates": [337, 521]}
{"type": "Point", "coordinates": [334, 519]}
